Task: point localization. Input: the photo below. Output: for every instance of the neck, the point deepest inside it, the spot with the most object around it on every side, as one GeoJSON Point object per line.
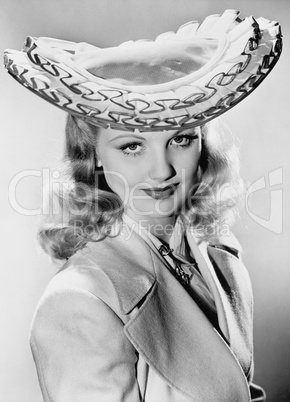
{"type": "Point", "coordinates": [161, 227]}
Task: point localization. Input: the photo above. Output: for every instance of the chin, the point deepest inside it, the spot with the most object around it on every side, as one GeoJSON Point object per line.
{"type": "Point", "coordinates": [156, 208]}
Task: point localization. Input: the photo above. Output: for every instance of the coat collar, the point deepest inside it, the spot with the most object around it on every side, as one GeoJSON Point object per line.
{"type": "Point", "coordinates": [119, 270]}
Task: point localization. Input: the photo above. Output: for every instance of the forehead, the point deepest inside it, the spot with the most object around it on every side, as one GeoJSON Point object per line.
{"type": "Point", "coordinates": [109, 134]}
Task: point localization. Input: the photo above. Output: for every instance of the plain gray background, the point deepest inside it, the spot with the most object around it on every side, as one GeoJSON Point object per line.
{"type": "Point", "coordinates": [32, 139]}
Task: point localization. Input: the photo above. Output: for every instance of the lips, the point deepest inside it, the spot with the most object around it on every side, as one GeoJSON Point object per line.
{"type": "Point", "coordinates": [160, 193]}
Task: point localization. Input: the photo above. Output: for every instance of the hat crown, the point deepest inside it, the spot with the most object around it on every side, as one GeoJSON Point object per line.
{"type": "Point", "coordinates": [147, 62]}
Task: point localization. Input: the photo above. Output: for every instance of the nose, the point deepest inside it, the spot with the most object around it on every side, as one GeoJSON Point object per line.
{"type": "Point", "coordinates": [161, 168]}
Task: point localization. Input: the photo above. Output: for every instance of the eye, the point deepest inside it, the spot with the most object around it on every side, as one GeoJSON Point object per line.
{"type": "Point", "coordinates": [132, 149]}
{"type": "Point", "coordinates": [183, 140]}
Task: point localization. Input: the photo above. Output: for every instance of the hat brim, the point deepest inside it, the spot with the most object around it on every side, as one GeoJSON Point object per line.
{"type": "Point", "coordinates": [247, 51]}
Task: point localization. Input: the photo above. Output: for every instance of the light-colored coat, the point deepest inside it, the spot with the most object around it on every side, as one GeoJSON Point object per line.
{"type": "Point", "coordinates": [115, 303]}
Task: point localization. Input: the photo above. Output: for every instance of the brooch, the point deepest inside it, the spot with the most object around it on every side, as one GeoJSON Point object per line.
{"type": "Point", "coordinates": [183, 269]}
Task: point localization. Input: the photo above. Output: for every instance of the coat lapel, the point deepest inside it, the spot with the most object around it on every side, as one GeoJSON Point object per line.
{"type": "Point", "coordinates": [230, 285]}
{"type": "Point", "coordinates": [169, 330]}
{"type": "Point", "coordinates": [178, 341]}
{"type": "Point", "coordinates": [234, 291]}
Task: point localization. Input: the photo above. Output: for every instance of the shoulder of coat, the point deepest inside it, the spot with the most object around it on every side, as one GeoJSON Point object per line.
{"type": "Point", "coordinates": [118, 272]}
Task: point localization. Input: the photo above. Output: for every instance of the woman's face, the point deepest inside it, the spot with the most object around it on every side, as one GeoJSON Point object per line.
{"type": "Point", "coordinates": [152, 172]}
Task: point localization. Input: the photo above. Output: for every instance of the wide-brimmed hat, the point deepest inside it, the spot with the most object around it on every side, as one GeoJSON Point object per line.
{"type": "Point", "coordinates": [181, 80]}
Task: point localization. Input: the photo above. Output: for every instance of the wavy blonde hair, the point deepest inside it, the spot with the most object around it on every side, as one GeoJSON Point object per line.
{"type": "Point", "coordinates": [89, 209]}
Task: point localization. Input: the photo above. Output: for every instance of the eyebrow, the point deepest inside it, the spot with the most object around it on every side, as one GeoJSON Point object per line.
{"type": "Point", "coordinates": [186, 131]}
{"type": "Point", "coordinates": [127, 136]}
{"type": "Point", "coordinates": [134, 136]}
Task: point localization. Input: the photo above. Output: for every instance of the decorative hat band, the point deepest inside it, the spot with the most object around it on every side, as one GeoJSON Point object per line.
{"type": "Point", "coordinates": [180, 80]}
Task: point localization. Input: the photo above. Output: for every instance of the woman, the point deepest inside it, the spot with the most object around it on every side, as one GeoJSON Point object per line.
{"type": "Point", "coordinates": [153, 303]}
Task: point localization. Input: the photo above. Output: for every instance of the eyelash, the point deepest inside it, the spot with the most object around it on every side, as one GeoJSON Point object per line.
{"type": "Point", "coordinates": [123, 148]}
{"type": "Point", "coordinates": [188, 137]}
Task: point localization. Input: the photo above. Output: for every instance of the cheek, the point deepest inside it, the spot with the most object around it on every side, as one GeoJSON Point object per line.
{"type": "Point", "coordinates": [189, 166]}
{"type": "Point", "coordinates": [121, 177]}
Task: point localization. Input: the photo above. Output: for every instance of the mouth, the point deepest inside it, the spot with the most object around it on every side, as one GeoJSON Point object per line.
{"type": "Point", "coordinates": [161, 193]}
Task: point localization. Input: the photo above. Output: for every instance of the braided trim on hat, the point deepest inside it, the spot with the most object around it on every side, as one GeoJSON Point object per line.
{"type": "Point", "coordinates": [248, 50]}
